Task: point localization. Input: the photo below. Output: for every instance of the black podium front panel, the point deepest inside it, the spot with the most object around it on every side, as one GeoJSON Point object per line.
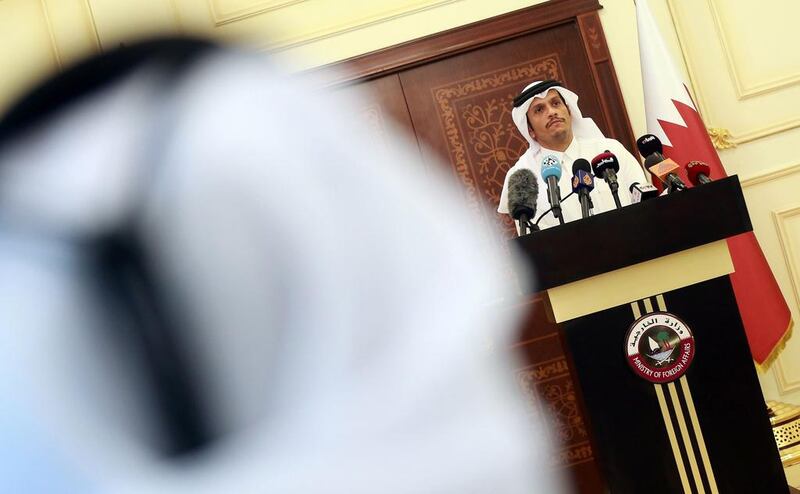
{"type": "Point", "coordinates": [709, 428]}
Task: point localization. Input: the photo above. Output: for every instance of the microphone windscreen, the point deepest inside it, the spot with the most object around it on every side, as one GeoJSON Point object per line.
{"type": "Point", "coordinates": [604, 161]}
{"type": "Point", "coordinates": [649, 144]}
{"type": "Point", "coordinates": [551, 167]}
{"type": "Point", "coordinates": [523, 188]}
{"type": "Point", "coordinates": [581, 164]}
{"type": "Point", "coordinates": [696, 168]}
{"type": "Point", "coordinates": [663, 168]}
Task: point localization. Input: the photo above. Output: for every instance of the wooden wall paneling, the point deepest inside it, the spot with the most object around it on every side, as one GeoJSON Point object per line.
{"type": "Point", "coordinates": [547, 382]}
{"type": "Point", "coordinates": [381, 106]}
{"type": "Point", "coordinates": [616, 121]}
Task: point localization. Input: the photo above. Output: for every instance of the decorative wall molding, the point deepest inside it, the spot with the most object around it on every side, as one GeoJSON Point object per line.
{"type": "Point", "coordinates": [221, 18]}
{"type": "Point", "coordinates": [767, 131]}
{"type": "Point", "coordinates": [346, 27]}
{"type": "Point", "coordinates": [780, 218]}
{"type": "Point", "coordinates": [699, 97]}
{"type": "Point", "coordinates": [743, 92]}
{"type": "Point", "coordinates": [721, 138]}
{"type": "Point", "coordinates": [95, 32]}
{"type": "Point", "coordinates": [770, 175]}
{"type": "Point", "coordinates": [51, 35]}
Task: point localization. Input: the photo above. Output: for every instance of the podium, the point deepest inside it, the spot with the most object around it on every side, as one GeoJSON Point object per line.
{"type": "Point", "coordinates": [648, 319]}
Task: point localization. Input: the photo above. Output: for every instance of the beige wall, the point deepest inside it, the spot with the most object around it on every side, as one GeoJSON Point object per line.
{"type": "Point", "coordinates": [743, 80]}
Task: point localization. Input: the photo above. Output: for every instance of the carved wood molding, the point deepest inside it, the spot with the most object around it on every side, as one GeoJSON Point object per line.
{"type": "Point", "coordinates": [456, 40]}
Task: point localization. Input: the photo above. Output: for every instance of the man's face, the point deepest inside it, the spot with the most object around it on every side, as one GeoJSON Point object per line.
{"type": "Point", "coordinates": [549, 121]}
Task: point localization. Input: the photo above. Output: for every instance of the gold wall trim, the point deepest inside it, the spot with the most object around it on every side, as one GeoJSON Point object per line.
{"type": "Point", "coordinates": [770, 175]}
{"type": "Point", "coordinates": [387, 16]}
{"type": "Point", "coordinates": [721, 138]}
{"type": "Point", "coordinates": [741, 91]}
{"type": "Point", "coordinates": [785, 383]}
{"type": "Point", "coordinates": [221, 18]}
{"type": "Point", "coordinates": [640, 280]}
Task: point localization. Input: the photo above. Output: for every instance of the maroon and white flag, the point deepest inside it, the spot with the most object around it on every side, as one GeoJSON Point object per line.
{"type": "Point", "coordinates": [673, 117]}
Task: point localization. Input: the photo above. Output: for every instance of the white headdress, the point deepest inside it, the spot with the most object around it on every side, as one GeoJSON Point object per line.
{"type": "Point", "coordinates": [332, 360]}
{"type": "Point", "coordinates": [581, 126]}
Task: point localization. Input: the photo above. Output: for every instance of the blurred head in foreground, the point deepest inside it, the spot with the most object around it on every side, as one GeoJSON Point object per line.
{"type": "Point", "coordinates": [209, 282]}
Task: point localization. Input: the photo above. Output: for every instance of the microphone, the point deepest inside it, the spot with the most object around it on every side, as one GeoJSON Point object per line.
{"type": "Point", "coordinates": [642, 192]}
{"type": "Point", "coordinates": [551, 173]}
{"type": "Point", "coordinates": [665, 171]}
{"type": "Point", "coordinates": [650, 145]}
{"type": "Point", "coordinates": [606, 165]}
{"type": "Point", "coordinates": [698, 172]}
{"type": "Point", "coordinates": [523, 189]}
{"type": "Point", "coordinates": [583, 183]}
{"type": "Point", "coordinates": [656, 163]}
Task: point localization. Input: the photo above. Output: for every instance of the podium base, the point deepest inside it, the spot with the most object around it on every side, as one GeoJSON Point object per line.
{"type": "Point", "coordinates": [708, 431]}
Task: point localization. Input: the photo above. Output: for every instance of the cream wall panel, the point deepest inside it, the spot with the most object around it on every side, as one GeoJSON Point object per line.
{"type": "Point", "coordinates": [746, 81]}
{"type": "Point", "coordinates": [118, 21]}
{"type": "Point", "coordinates": [730, 57]}
{"type": "Point", "coordinates": [787, 223]}
{"type": "Point", "coordinates": [307, 33]}
{"type": "Point", "coordinates": [758, 58]}
{"type": "Point", "coordinates": [28, 49]}
{"type": "Point", "coordinates": [774, 209]}
{"type": "Point", "coordinates": [73, 29]}
{"type": "Point", "coordinates": [225, 11]}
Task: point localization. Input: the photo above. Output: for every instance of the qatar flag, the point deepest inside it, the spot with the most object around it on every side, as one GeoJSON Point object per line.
{"type": "Point", "coordinates": [672, 116]}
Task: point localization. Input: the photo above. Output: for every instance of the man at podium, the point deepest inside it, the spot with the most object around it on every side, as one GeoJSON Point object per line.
{"type": "Point", "coordinates": [547, 115]}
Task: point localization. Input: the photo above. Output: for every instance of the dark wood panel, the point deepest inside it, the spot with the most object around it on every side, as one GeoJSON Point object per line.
{"type": "Point", "coordinates": [461, 108]}
{"type": "Point", "coordinates": [546, 378]}
{"type": "Point", "coordinates": [616, 121]}
{"type": "Point", "coordinates": [457, 40]}
{"type": "Point", "coordinates": [380, 106]}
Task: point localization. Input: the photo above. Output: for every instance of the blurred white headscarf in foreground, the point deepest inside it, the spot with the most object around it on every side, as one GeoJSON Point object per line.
{"type": "Point", "coordinates": [334, 305]}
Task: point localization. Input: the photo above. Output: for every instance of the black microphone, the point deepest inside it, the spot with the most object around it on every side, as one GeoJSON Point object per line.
{"type": "Point", "coordinates": [649, 146]}
{"type": "Point", "coordinates": [656, 163]}
{"type": "Point", "coordinates": [642, 192]}
{"type": "Point", "coordinates": [583, 183]}
{"type": "Point", "coordinates": [523, 189]}
{"type": "Point", "coordinates": [551, 173]}
{"type": "Point", "coordinates": [698, 172]}
{"type": "Point", "coordinates": [606, 165]}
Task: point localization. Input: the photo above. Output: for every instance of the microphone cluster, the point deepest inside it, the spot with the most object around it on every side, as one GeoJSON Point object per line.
{"type": "Point", "coordinates": [664, 169]}
{"type": "Point", "coordinates": [523, 189]}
